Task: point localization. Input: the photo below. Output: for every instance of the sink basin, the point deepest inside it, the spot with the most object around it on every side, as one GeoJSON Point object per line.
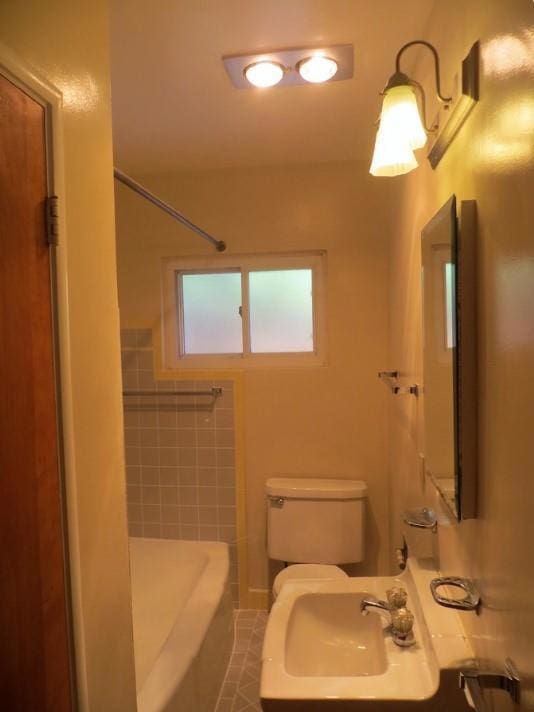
{"type": "Point", "coordinates": [327, 636]}
{"type": "Point", "coordinates": [321, 653]}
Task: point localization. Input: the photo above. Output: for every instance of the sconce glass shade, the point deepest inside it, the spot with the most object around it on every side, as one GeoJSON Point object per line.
{"type": "Point", "coordinates": [401, 132]}
{"type": "Point", "coordinates": [391, 157]}
{"type": "Point", "coordinates": [264, 74]}
{"type": "Point", "coordinates": [400, 115]}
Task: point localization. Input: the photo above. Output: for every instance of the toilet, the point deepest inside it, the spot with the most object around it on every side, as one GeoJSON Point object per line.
{"type": "Point", "coordinates": [314, 524]}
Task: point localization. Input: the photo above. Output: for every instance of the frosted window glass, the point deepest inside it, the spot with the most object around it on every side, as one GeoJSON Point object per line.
{"type": "Point", "coordinates": [212, 324]}
{"type": "Point", "coordinates": [281, 311]}
{"type": "Point", "coordinates": [449, 305]}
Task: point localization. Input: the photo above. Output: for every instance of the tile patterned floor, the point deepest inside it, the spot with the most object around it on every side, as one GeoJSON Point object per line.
{"type": "Point", "coordinates": [241, 686]}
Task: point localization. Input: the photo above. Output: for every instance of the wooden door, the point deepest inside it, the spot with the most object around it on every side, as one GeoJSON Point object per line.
{"type": "Point", "coordinates": [34, 641]}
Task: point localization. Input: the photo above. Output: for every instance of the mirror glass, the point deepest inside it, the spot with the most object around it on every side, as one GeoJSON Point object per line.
{"type": "Point", "coordinates": [438, 244]}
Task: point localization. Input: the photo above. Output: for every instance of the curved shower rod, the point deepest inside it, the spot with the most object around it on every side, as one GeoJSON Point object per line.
{"type": "Point", "coordinates": [219, 245]}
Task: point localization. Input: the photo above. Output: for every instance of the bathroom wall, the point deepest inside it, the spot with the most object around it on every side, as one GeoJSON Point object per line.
{"type": "Point", "coordinates": [491, 161]}
{"type": "Point", "coordinates": [180, 454]}
{"type": "Point", "coordinates": [65, 44]}
{"type": "Point", "coordinates": [327, 420]}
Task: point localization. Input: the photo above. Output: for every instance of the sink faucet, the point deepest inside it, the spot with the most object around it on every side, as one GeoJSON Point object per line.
{"type": "Point", "coordinates": [368, 603]}
{"type": "Point", "coordinates": [396, 596]}
{"type": "Point", "coordinates": [401, 620]}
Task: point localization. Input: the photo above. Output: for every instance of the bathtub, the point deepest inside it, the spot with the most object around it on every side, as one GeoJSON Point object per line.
{"type": "Point", "coordinates": [182, 621]}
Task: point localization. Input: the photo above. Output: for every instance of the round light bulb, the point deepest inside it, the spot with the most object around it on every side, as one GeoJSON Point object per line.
{"type": "Point", "coordinates": [264, 74]}
{"type": "Point", "coordinates": [317, 69]}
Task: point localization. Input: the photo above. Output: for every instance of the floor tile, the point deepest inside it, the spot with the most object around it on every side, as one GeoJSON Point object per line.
{"type": "Point", "coordinates": [240, 689]}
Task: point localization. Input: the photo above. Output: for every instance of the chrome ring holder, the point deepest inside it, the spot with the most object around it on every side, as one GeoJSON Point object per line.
{"type": "Point", "coordinates": [471, 600]}
{"type": "Point", "coordinates": [421, 518]}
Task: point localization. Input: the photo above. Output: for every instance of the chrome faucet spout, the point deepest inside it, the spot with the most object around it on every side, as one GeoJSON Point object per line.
{"type": "Point", "coordinates": [369, 603]}
{"type": "Point", "coordinates": [401, 620]}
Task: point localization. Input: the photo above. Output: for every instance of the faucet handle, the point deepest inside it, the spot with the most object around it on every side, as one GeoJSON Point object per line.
{"type": "Point", "coordinates": [397, 597]}
{"type": "Point", "coordinates": [402, 621]}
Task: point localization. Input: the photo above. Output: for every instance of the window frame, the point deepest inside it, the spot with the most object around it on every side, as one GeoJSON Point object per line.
{"type": "Point", "coordinates": [172, 309]}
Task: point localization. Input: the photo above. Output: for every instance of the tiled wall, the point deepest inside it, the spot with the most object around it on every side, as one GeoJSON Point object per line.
{"type": "Point", "coordinates": [179, 455]}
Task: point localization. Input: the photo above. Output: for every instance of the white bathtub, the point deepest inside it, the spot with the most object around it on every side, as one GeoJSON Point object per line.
{"type": "Point", "coordinates": [183, 623]}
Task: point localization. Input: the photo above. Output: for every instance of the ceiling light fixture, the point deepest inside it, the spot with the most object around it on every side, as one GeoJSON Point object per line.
{"type": "Point", "coordinates": [290, 67]}
{"type": "Point", "coordinates": [317, 69]}
{"type": "Point", "coordinates": [402, 127]}
{"type": "Point", "coordinates": [264, 74]}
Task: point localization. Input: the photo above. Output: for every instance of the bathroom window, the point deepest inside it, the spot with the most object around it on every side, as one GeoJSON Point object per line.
{"type": "Point", "coordinates": [250, 310]}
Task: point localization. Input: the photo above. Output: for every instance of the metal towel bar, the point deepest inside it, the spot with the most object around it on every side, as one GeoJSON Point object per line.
{"type": "Point", "coordinates": [212, 392]}
{"type": "Point", "coordinates": [160, 400]}
{"type": "Point", "coordinates": [390, 379]}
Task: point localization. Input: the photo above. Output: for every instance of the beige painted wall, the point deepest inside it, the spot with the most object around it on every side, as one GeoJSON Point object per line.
{"type": "Point", "coordinates": [491, 161]}
{"type": "Point", "coordinates": [329, 420]}
{"type": "Point", "coordinates": [66, 44]}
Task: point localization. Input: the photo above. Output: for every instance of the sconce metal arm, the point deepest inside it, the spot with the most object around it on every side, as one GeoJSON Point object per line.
{"type": "Point", "coordinates": [443, 99]}
{"type": "Point", "coordinates": [428, 129]}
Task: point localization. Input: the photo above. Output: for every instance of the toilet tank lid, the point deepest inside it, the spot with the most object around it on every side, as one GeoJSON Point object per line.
{"type": "Point", "coordinates": [315, 488]}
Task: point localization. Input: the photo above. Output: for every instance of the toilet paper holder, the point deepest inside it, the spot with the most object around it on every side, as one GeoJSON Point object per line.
{"type": "Point", "coordinates": [473, 682]}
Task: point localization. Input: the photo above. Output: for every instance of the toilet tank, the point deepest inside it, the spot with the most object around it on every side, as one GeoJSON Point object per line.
{"type": "Point", "coordinates": [313, 520]}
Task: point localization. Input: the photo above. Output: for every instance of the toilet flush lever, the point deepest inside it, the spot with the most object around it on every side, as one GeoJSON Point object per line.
{"type": "Point", "coordinates": [277, 501]}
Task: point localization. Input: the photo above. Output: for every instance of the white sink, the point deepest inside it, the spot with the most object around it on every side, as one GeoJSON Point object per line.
{"type": "Point", "coordinates": [327, 636]}
{"type": "Point", "coordinates": [318, 646]}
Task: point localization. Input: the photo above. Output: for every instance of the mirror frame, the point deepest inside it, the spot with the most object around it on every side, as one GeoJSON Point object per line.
{"type": "Point", "coordinates": [466, 395]}
{"type": "Point", "coordinates": [465, 391]}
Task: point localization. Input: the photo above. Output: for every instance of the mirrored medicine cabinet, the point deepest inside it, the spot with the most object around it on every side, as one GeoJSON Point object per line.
{"type": "Point", "coordinates": [449, 355]}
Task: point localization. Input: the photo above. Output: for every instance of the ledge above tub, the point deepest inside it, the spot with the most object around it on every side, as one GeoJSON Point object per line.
{"type": "Point", "coordinates": [315, 488]}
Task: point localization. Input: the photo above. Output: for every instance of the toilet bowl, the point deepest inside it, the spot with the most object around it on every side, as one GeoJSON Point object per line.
{"type": "Point", "coordinates": [316, 524]}
{"type": "Point", "coordinates": [313, 572]}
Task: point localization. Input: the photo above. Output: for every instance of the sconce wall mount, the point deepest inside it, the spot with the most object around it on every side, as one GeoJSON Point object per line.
{"type": "Point", "coordinates": [461, 107]}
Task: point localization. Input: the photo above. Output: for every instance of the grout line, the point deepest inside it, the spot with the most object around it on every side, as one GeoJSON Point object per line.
{"type": "Point", "coordinates": [236, 613]}
{"type": "Point", "coordinates": [255, 704]}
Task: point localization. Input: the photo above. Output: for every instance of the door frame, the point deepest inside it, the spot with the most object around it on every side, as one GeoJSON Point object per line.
{"type": "Point", "coordinates": [50, 98]}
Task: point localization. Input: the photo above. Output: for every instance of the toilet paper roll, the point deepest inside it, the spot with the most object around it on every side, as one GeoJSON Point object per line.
{"type": "Point", "coordinates": [401, 561]}
{"type": "Point", "coordinates": [469, 698]}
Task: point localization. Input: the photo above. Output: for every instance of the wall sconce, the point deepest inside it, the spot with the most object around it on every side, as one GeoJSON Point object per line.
{"type": "Point", "coordinates": [402, 126]}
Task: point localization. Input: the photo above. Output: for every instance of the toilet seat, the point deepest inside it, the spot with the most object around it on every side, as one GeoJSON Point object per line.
{"type": "Point", "coordinates": [306, 571]}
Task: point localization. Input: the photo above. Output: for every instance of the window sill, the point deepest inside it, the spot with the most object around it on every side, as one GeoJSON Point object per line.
{"type": "Point", "coordinates": [249, 362]}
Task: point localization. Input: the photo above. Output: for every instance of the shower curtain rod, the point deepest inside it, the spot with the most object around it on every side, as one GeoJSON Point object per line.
{"type": "Point", "coordinates": [219, 245]}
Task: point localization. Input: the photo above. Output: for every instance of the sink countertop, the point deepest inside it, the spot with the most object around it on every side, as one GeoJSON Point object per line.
{"type": "Point", "coordinates": [444, 625]}
{"type": "Point", "coordinates": [412, 673]}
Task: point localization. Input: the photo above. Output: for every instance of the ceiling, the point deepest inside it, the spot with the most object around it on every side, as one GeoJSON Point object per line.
{"type": "Point", "coordinates": [174, 107]}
